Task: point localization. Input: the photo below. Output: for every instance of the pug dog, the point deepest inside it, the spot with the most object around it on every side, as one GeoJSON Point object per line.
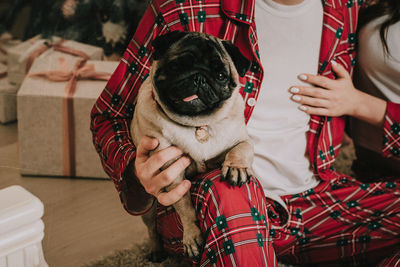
{"type": "Point", "coordinates": [191, 100]}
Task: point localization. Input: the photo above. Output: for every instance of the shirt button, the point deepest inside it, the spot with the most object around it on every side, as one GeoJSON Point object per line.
{"type": "Point", "coordinates": [251, 101]}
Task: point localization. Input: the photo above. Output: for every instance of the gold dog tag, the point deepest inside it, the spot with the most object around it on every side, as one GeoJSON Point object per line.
{"type": "Point", "coordinates": [202, 134]}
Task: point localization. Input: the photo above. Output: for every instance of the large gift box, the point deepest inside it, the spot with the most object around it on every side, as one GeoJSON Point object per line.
{"type": "Point", "coordinates": [54, 118]}
{"type": "Point", "coordinates": [22, 56]}
{"type": "Point", "coordinates": [8, 97]}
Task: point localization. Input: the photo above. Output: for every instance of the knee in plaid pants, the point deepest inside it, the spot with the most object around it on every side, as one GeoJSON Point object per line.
{"type": "Point", "coordinates": [341, 222]}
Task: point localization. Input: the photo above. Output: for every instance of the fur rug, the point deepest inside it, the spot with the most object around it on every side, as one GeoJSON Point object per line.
{"type": "Point", "coordinates": [136, 256]}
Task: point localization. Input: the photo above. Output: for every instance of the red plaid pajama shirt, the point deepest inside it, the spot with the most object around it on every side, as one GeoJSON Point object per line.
{"type": "Point", "coordinates": [341, 221]}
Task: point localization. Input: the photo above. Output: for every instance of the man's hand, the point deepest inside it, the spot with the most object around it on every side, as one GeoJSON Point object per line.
{"type": "Point", "coordinates": [147, 170]}
{"type": "Point", "coordinates": [334, 98]}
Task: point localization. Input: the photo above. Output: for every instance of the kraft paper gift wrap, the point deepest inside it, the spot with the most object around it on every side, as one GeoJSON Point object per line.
{"type": "Point", "coordinates": [6, 42]}
{"type": "Point", "coordinates": [41, 118]}
{"type": "Point", "coordinates": [8, 97]}
{"type": "Point", "coordinates": [20, 56]}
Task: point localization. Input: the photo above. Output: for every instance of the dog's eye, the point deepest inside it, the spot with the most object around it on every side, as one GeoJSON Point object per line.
{"type": "Point", "coordinates": [221, 76]}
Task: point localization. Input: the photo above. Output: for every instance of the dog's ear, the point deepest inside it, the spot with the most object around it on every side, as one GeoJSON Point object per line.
{"type": "Point", "coordinates": [163, 42]}
{"type": "Point", "coordinates": [241, 63]}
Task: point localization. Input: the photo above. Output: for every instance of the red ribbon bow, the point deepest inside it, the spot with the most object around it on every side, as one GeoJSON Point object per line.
{"type": "Point", "coordinates": [57, 47]}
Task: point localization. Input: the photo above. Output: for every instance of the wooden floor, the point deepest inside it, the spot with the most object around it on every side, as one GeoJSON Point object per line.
{"type": "Point", "coordinates": [84, 219]}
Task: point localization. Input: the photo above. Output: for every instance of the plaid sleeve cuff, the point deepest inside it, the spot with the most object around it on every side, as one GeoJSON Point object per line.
{"type": "Point", "coordinates": [134, 198]}
{"type": "Point", "coordinates": [391, 131]}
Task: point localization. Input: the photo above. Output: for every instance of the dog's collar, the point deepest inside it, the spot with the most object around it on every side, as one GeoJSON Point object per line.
{"type": "Point", "coordinates": [201, 132]}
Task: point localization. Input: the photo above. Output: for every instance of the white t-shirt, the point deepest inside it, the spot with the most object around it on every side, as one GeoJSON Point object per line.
{"type": "Point", "coordinates": [378, 74]}
{"type": "Point", "coordinates": [289, 40]}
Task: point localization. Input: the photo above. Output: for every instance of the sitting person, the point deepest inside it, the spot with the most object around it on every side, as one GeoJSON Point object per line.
{"type": "Point", "coordinates": [378, 74]}
{"type": "Point", "coordinates": [298, 209]}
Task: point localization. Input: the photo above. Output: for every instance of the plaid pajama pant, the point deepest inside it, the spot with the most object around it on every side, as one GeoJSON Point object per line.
{"type": "Point", "coordinates": [340, 222]}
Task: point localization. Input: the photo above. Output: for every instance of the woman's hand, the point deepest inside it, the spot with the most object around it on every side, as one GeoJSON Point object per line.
{"type": "Point", "coordinates": [327, 97]}
{"type": "Point", "coordinates": [147, 170]}
{"type": "Point", "coordinates": [334, 98]}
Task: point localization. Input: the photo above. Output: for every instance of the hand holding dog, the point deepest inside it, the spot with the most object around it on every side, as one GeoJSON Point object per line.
{"type": "Point", "coordinates": [334, 98]}
{"type": "Point", "coordinates": [147, 170]}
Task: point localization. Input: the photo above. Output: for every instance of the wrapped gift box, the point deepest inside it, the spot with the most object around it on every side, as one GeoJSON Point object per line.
{"type": "Point", "coordinates": [8, 97]}
{"type": "Point", "coordinates": [6, 42]}
{"type": "Point", "coordinates": [19, 56]}
{"type": "Point", "coordinates": [41, 118]}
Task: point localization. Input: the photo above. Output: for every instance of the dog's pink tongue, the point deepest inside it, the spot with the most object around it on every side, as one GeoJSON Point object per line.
{"type": "Point", "coordinates": [190, 98]}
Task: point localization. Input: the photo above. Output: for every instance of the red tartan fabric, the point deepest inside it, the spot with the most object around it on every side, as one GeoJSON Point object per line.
{"type": "Point", "coordinates": [235, 228]}
{"type": "Point", "coordinates": [231, 20]}
{"type": "Point", "coordinates": [394, 260]}
{"type": "Point", "coordinates": [391, 139]}
{"type": "Point", "coordinates": [340, 222]}
{"type": "Point", "coordinates": [337, 237]}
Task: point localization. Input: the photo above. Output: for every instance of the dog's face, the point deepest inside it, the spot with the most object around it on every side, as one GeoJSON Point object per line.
{"type": "Point", "coordinates": [196, 72]}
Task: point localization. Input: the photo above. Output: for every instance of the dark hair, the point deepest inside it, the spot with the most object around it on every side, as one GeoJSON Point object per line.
{"type": "Point", "coordinates": [377, 9]}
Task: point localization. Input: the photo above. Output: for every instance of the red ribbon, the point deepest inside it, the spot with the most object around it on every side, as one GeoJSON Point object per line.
{"type": "Point", "coordinates": [57, 47]}
{"type": "Point", "coordinates": [81, 71]}
{"type": "Point", "coordinates": [3, 51]}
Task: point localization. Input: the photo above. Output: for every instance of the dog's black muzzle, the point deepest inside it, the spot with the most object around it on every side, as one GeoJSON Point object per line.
{"type": "Point", "coordinates": [199, 80]}
{"type": "Point", "coordinates": [205, 92]}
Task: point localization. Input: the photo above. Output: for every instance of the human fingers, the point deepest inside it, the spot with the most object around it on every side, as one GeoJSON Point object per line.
{"type": "Point", "coordinates": [314, 110]}
{"type": "Point", "coordinates": [144, 147]}
{"type": "Point", "coordinates": [161, 157]}
{"type": "Point", "coordinates": [340, 71]}
{"type": "Point", "coordinates": [169, 198]}
{"type": "Point", "coordinates": [309, 91]}
{"type": "Point", "coordinates": [318, 80]}
{"type": "Point", "coordinates": [150, 166]}
{"type": "Point", "coordinates": [168, 176]}
{"type": "Point", "coordinates": [311, 101]}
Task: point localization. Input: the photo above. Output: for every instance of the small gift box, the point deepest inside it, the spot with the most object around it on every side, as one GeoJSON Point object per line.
{"type": "Point", "coordinates": [54, 105]}
{"type": "Point", "coordinates": [8, 97]}
{"type": "Point", "coordinates": [22, 56]}
{"type": "Point", "coordinates": [6, 42]}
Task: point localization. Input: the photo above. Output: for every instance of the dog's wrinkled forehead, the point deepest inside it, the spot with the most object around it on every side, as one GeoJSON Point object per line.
{"type": "Point", "coordinates": [203, 44]}
{"type": "Point", "coordinates": [200, 45]}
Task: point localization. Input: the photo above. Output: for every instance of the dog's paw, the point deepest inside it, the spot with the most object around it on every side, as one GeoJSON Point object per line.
{"type": "Point", "coordinates": [235, 169]}
{"type": "Point", "coordinates": [192, 242]}
{"type": "Point", "coordinates": [157, 256]}
{"type": "Point", "coordinates": [236, 176]}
